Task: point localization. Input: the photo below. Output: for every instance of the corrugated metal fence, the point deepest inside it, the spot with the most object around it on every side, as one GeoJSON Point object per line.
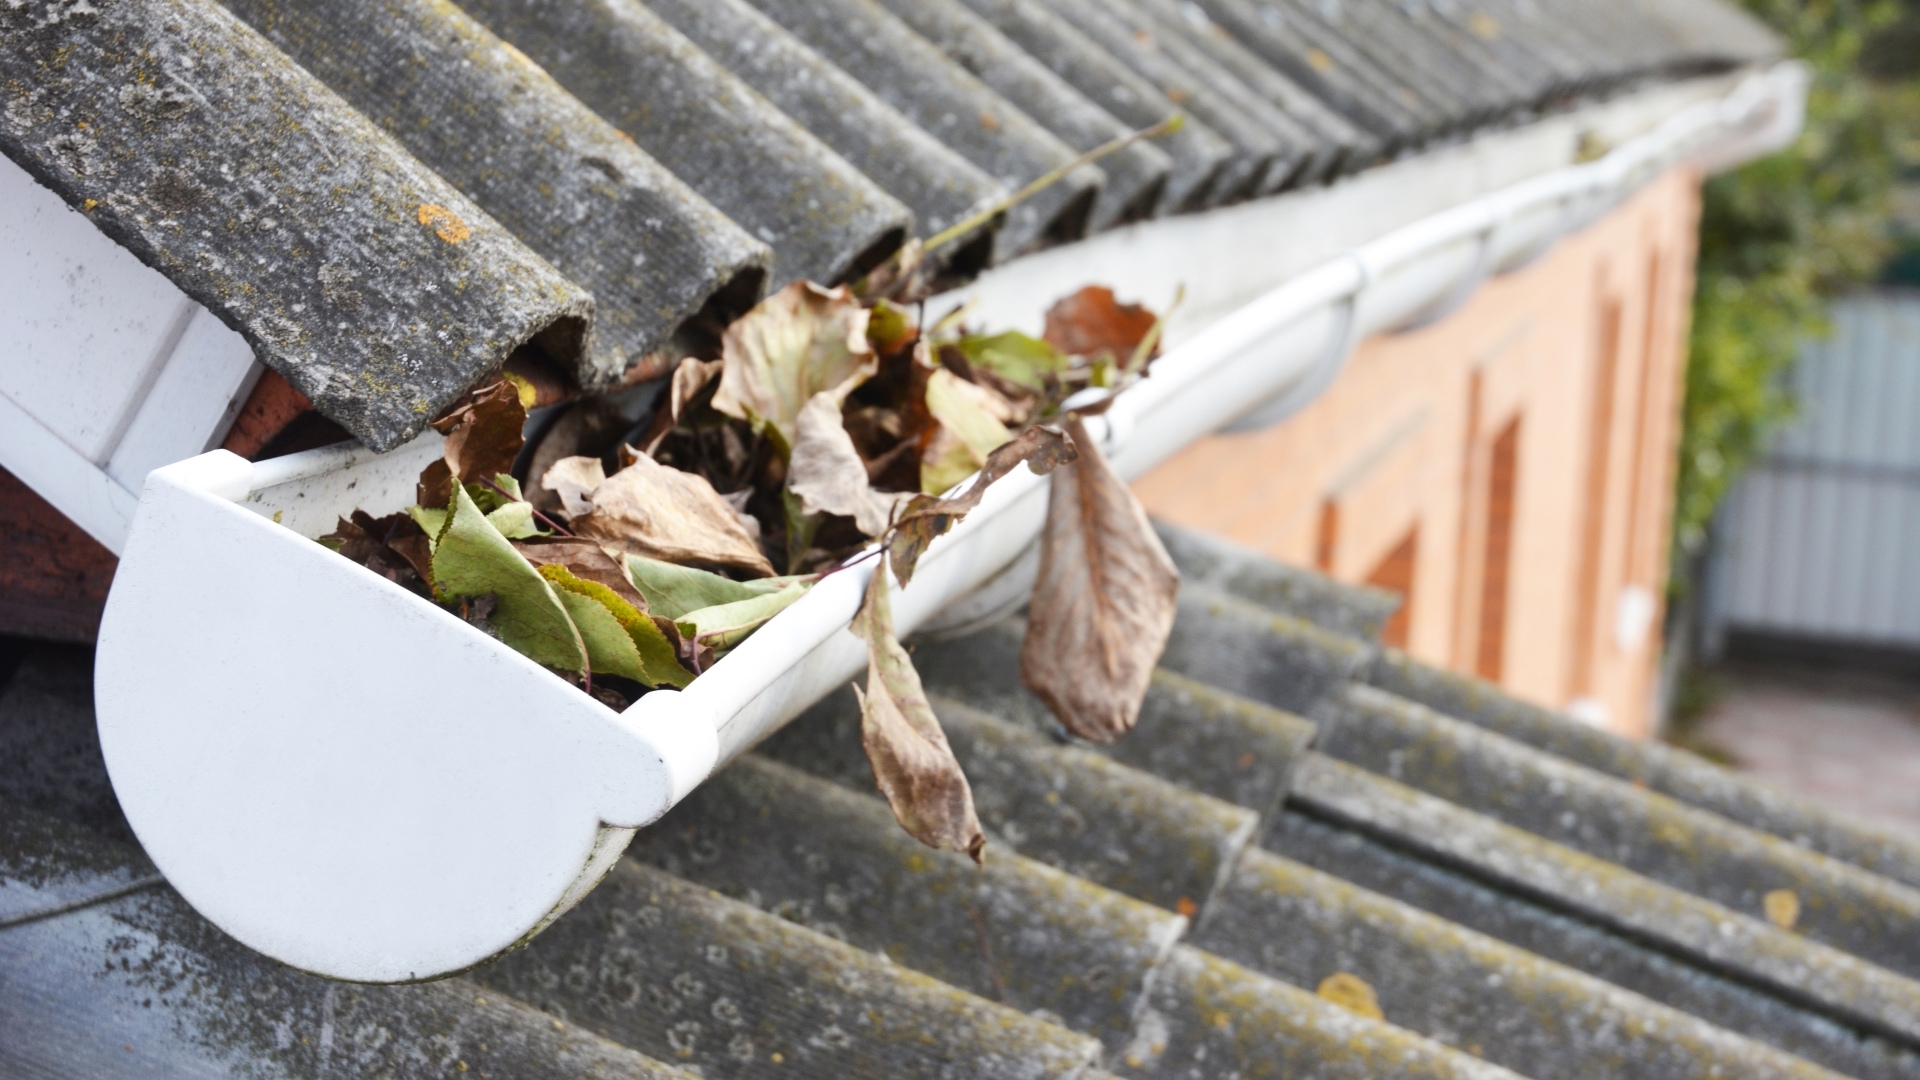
{"type": "Point", "coordinates": [1821, 540]}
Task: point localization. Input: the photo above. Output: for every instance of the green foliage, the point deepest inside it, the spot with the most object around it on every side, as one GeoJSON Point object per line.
{"type": "Point", "coordinates": [672, 591]}
{"type": "Point", "coordinates": [1782, 235]}
{"type": "Point", "coordinates": [1016, 357]}
{"type": "Point", "coordinates": [636, 648]}
{"type": "Point", "coordinates": [472, 560]}
{"type": "Point", "coordinates": [723, 626]}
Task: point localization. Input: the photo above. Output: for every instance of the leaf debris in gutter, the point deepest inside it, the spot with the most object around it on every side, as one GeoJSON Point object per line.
{"type": "Point", "coordinates": [832, 428]}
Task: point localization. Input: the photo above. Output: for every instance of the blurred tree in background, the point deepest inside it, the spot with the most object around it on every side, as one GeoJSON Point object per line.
{"type": "Point", "coordinates": [1781, 235]}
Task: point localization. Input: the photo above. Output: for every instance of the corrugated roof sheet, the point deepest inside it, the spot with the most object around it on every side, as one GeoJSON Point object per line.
{"type": "Point", "coordinates": [387, 199]}
{"type": "Point", "coordinates": [1314, 857]}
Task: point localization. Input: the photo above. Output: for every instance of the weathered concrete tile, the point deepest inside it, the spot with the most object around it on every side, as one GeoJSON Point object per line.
{"type": "Point", "coordinates": [50, 746]}
{"type": "Point", "coordinates": [691, 977]}
{"type": "Point", "coordinates": [1649, 833]}
{"type": "Point", "coordinates": [1243, 648]}
{"type": "Point", "coordinates": [1465, 989]}
{"type": "Point", "coordinates": [1211, 1017]}
{"type": "Point", "coordinates": [822, 217]}
{"type": "Point", "coordinates": [1193, 734]}
{"type": "Point", "coordinates": [1014, 931]}
{"type": "Point", "coordinates": [1226, 567]}
{"type": "Point", "coordinates": [1662, 768]}
{"type": "Point", "coordinates": [1548, 930]}
{"type": "Point", "coordinates": [138, 984]}
{"type": "Point", "coordinates": [1709, 935]}
{"type": "Point", "coordinates": [1058, 804]}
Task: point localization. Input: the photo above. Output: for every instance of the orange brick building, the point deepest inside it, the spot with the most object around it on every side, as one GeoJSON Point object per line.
{"type": "Point", "coordinates": [1508, 469]}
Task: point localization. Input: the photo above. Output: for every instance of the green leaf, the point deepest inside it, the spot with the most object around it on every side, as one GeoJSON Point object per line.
{"type": "Point", "coordinates": [487, 499]}
{"type": "Point", "coordinates": [672, 591]}
{"type": "Point", "coordinates": [654, 660]}
{"type": "Point", "coordinates": [969, 431]}
{"type": "Point", "coordinates": [472, 559]}
{"type": "Point", "coordinates": [888, 327]}
{"type": "Point", "coordinates": [802, 527]}
{"type": "Point", "coordinates": [430, 522]}
{"type": "Point", "coordinates": [609, 650]}
{"type": "Point", "coordinates": [515, 521]}
{"type": "Point", "coordinates": [1016, 357]}
{"type": "Point", "coordinates": [726, 625]}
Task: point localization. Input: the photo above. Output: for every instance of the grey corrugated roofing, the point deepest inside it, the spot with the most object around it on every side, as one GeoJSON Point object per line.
{"type": "Point", "coordinates": [623, 202]}
{"type": "Point", "coordinates": [912, 75]}
{"type": "Point", "coordinates": [1162, 907]}
{"type": "Point", "coordinates": [824, 220]}
{"type": "Point", "coordinates": [940, 186]}
{"type": "Point", "coordinates": [1136, 176]}
{"type": "Point", "coordinates": [199, 147]}
{"type": "Point", "coordinates": [1198, 151]}
{"type": "Point", "coordinates": [1341, 144]}
{"type": "Point", "coordinates": [1267, 158]}
{"type": "Point", "coordinates": [563, 179]}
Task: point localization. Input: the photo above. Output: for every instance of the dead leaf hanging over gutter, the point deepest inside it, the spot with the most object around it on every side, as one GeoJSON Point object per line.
{"type": "Point", "coordinates": [1103, 603]}
{"type": "Point", "coordinates": [911, 760]}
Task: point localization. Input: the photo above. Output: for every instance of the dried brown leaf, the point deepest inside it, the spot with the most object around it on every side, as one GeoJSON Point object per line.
{"type": "Point", "coordinates": [926, 517]}
{"type": "Point", "coordinates": [586, 560]}
{"type": "Point", "coordinates": [1103, 603]}
{"type": "Point", "coordinates": [1091, 322]}
{"type": "Point", "coordinates": [486, 434]}
{"type": "Point", "coordinates": [392, 546]}
{"type": "Point", "coordinates": [658, 511]}
{"type": "Point", "coordinates": [587, 428]}
{"type": "Point", "coordinates": [691, 377]}
{"type": "Point", "coordinates": [912, 762]}
{"type": "Point", "coordinates": [826, 472]}
{"type": "Point", "coordinates": [798, 342]}
{"type": "Point", "coordinates": [572, 481]}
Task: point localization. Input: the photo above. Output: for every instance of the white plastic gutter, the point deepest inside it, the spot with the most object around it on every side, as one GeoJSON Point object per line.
{"type": "Point", "coordinates": [351, 780]}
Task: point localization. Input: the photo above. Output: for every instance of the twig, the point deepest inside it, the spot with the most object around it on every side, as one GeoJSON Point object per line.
{"type": "Point", "coordinates": [986, 950]}
{"type": "Point", "coordinates": [1138, 361]}
{"type": "Point", "coordinates": [549, 522]}
{"type": "Point", "coordinates": [856, 560]}
{"type": "Point", "coordinates": [954, 232]}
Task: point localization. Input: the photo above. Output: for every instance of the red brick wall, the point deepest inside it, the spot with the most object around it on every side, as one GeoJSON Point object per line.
{"type": "Point", "coordinates": [1536, 471]}
{"type": "Point", "coordinates": [53, 576]}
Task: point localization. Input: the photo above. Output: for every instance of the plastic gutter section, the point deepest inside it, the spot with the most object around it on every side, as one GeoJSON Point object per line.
{"type": "Point", "coordinates": [468, 830]}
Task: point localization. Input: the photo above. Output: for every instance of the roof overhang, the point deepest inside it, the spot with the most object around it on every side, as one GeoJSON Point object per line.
{"type": "Point", "coordinates": [468, 836]}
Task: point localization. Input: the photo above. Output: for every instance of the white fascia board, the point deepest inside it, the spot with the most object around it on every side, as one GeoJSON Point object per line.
{"type": "Point", "coordinates": [110, 370]}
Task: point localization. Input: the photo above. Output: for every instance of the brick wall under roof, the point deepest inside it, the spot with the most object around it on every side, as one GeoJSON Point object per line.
{"type": "Point", "coordinates": [1406, 439]}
